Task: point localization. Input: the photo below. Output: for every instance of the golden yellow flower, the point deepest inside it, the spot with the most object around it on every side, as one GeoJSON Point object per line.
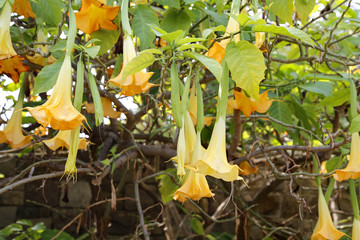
{"type": "Point", "coordinates": [356, 229]}
{"type": "Point", "coordinates": [352, 170]}
{"type": "Point", "coordinates": [58, 110]}
{"type": "Point", "coordinates": [12, 133]}
{"type": "Point", "coordinates": [195, 185]}
{"type": "Point", "coordinates": [214, 161]}
{"type": "Point", "coordinates": [185, 145]}
{"type": "Point", "coordinates": [325, 228]}
{"type": "Point", "coordinates": [248, 105]}
{"type": "Point", "coordinates": [247, 169]}
{"type": "Point", "coordinates": [23, 7]}
{"type": "Point", "coordinates": [10, 63]}
{"type": "Point", "coordinates": [62, 139]}
{"type": "Point", "coordinates": [107, 108]}
{"type": "Point", "coordinates": [217, 51]}
{"type": "Point", "coordinates": [136, 83]}
{"type": "Point", "coordinates": [94, 15]}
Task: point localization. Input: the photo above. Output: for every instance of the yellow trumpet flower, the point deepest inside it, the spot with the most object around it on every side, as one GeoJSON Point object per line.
{"type": "Point", "coordinates": [107, 107]}
{"type": "Point", "coordinates": [325, 228]}
{"type": "Point", "coordinates": [185, 145]}
{"type": "Point", "coordinates": [94, 15]}
{"type": "Point", "coordinates": [10, 62]}
{"type": "Point", "coordinates": [12, 133]}
{"type": "Point", "coordinates": [23, 7]}
{"type": "Point", "coordinates": [62, 139]}
{"type": "Point", "coordinates": [214, 161]}
{"type": "Point", "coordinates": [217, 51]}
{"type": "Point", "coordinates": [37, 58]}
{"type": "Point", "coordinates": [195, 185]}
{"type": "Point", "coordinates": [352, 170]}
{"type": "Point", "coordinates": [248, 105]}
{"type": "Point", "coordinates": [58, 110]}
{"type": "Point", "coordinates": [356, 229]}
{"type": "Point", "coordinates": [136, 83]}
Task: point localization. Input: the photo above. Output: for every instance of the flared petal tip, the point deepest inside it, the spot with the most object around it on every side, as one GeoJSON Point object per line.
{"type": "Point", "coordinates": [341, 175]}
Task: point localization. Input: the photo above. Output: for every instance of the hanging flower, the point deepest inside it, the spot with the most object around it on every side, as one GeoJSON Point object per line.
{"type": "Point", "coordinates": [94, 15]}
{"type": "Point", "coordinates": [325, 228]}
{"type": "Point", "coordinates": [23, 7]}
{"type": "Point", "coordinates": [248, 105]}
{"type": "Point", "coordinates": [136, 83]}
{"type": "Point", "coordinates": [214, 161]}
{"type": "Point", "coordinates": [107, 108]}
{"type": "Point", "coordinates": [247, 169]}
{"type": "Point", "coordinates": [12, 133]}
{"type": "Point", "coordinates": [185, 145]}
{"type": "Point", "coordinates": [352, 170]}
{"type": "Point", "coordinates": [62, 139]}
{"type": "Point", "coordinates": [193, 109]}
{"type": "Point", "coordinates": [259, 41]}
{"type": "Point", "coordinates": [58, 110]}
{"type": "Point", "coordinates": [356, 229]}
{"type": "Point", "coordinates": [70, 165]}
{"type": "Point", "coordinates": [10, 62]}
{"type": "Point", "coordinates": [195, 185]}
{"type": "Point", "coordinates": [217, 51]}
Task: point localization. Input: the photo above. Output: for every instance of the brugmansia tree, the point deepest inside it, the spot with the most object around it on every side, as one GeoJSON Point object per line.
{"type": "Point", "coordinates": [237, 111]}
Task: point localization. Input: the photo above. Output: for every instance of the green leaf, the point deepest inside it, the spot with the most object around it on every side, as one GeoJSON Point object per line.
{"type": "Point", "coordinates": [355, 124]}
{"type": "Point", "coordinates": [187, 2]}
{"type": "Point", "coordinates": [246, 64]}
{"type": "Point", "coordinates": [153, 51]}
{"type": "Point", "coordinates": [167, 187]}
{"type": "Point", "coordinates": [58, 50]}
{"type": "Point", "coordinates": [280, 111]}
{"type": "Point", "coordinates": [170, 3]}
{"type": "Point", "coordinates": [46, 79]}
{"type": "Point", "coordinates": [287, 31]}
{"type": "Point", "coordinates": [143, 17]}
{"type": "Point", "coordinates": [50, 12]}
{"type": "Point", "coordinates": [79, 90]}
{"type": "Point", "coordinates": [283, 9]}
{"type": "Point", "coordinates": [38, 227]}
{"type": "Point", "coordinates": [48, 234]}
{"type": "Point", "coordinates": [107, 39]}
{"type": "Point", "coordinates": [324, 88]}
{"type": "Point", "coordinates": [92, 51]}
{"type": "Point", "coordinates": [138, 63]}
{"type": "Point", "coordinates": [192, 45]}
{"type": "Point", "coordinates": [209, 31]}
{"type": "Point", "coordinates": [245, 20]}
{"type": "Point", "coordinates": [304, 8]}
{"type": "Point", "coordinates": [24, 222]}
{"type": "Point", "coordinates": [106, 162]}
{"type": "Point", "coordinates": [300, 113]}
{"type": "Point", "coordinates": [189, 40]}
{"type": "Point", "coordinates": [2, 2]}
{"type": "Point", "coordinates": [338, 98]}
{"type": "Point", "coordinates": [175, 95]}
{"type": "Point", "coordinates": [99, 112]}
{"type": "Point", "coordinates": [211, 64]}
{"type": "Point", "coordinates": [333, 163]}
{"type": "Point", "coordinates": [197, 226]}
{"type": "Point", "coordinates": [220, 5]}
{"type": "Point", "coordinates": [175, 19]}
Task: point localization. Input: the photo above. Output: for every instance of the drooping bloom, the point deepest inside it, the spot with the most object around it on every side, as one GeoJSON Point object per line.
{"type": "Point", "coordinates": [217, 51]}
{"type": "Point", "coordinates": [62, 139]}
{"type": "Point", "coordinates": [23, 7]}
{"type": "Point", "coordinates": [195, 185]}
{"type": "Point", "coordinates": [356, 229]}
{"type": "Point", "coordinates": [136, 83]}
{"type": "Point", "coordinates": [185, 145]}
{"type": "Point", "coordinates": [94, 15]}
{"type": "Point", "coordinates": [193, 109]}
{"type": "Point", "coordinates": [70, 165]}
{"type": "Point", "coordinates": [325, 228]}
{"type": "Point", "coordinates": [107, 108]}
{"type": "Point", "coordinates": [214, 161]}
{"type": "Point", "coordinates": [247, 169]}
{"type": "Point", "coordinates": [58, 110]}
{"type": "Point", "coordinates": [259, 41]}
{"type": "Point", "coordinates": [12, 133]}
{"type": "Point", "coordinates": [352, 170]}
{"type": "Point", "coordinates": [10, 62]}
{"type": "Point", "coordinates": [248, 105]}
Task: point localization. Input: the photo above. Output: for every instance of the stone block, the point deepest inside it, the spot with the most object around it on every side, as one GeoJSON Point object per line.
{"type": "Point", "coordinates": [78, 195]}
{"type": "Point", "coordinates": [12, 198]}
{"type": "Point", "coordinates": [8, 216]}
{"type": "Point", "coordinates": [49, 195]}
